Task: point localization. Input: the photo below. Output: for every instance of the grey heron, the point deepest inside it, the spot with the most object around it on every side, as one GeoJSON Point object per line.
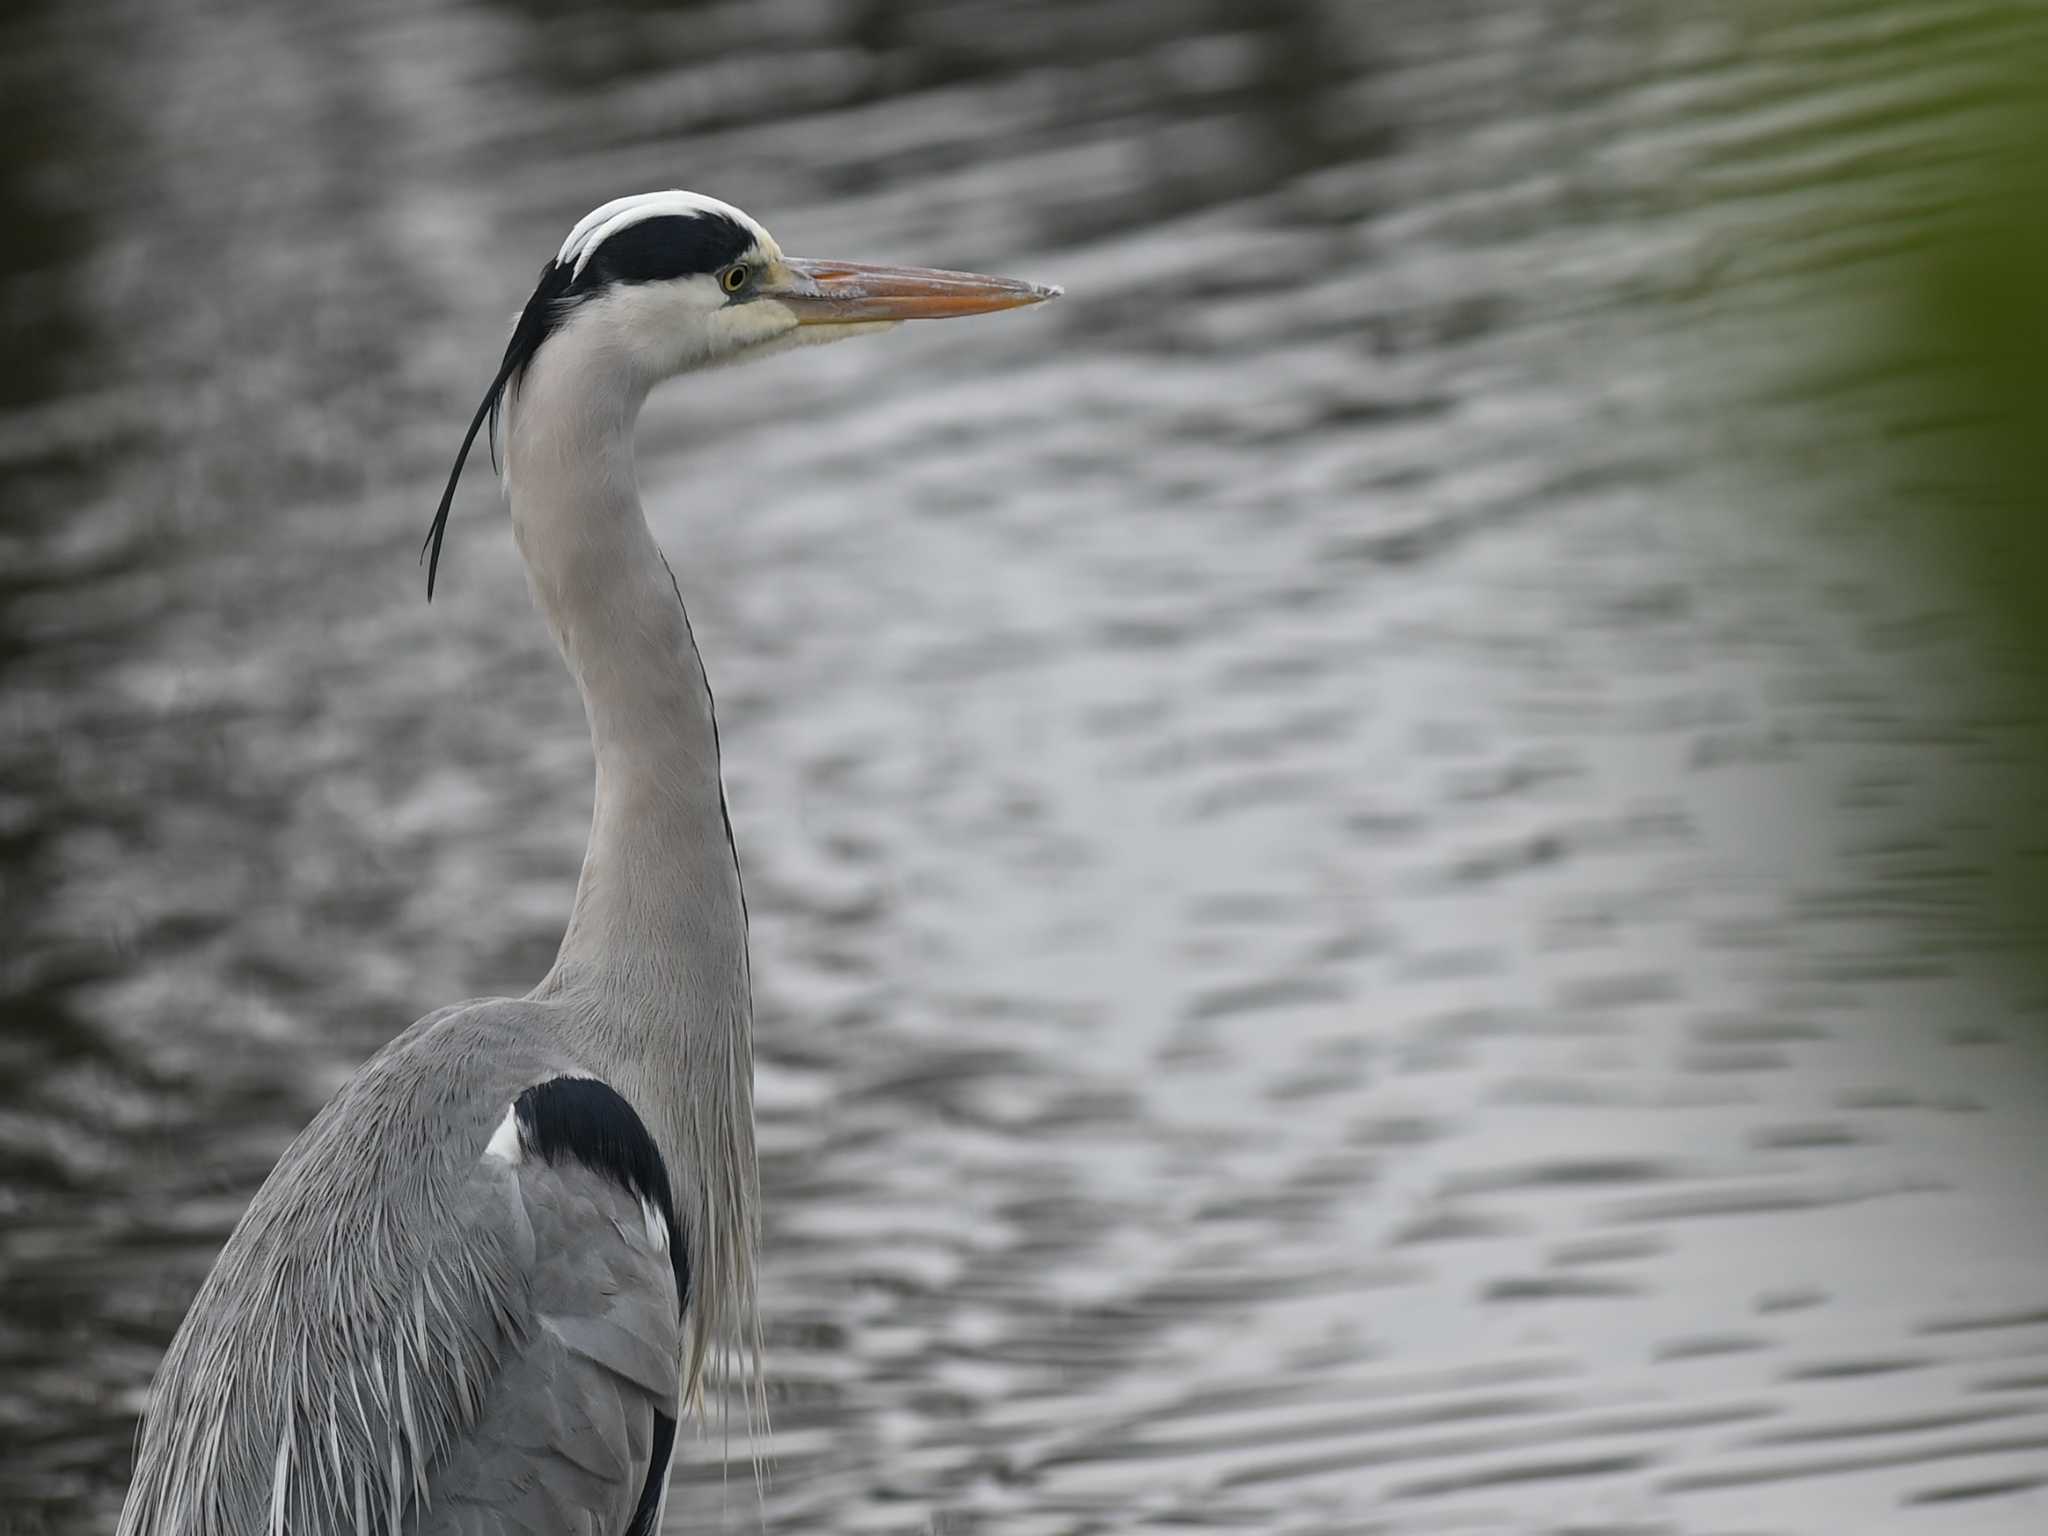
{"type": "Point", "coordinates": [478, 1292]}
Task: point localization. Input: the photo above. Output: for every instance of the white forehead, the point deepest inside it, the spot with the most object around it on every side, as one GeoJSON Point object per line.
{"type": "Point", "coordinates": [600, 224]}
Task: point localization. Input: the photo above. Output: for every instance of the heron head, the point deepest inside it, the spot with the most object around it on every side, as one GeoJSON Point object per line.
{"type": "Point", "coordinates": [661, 283]}
{"type": "Point", "coordinates": [676, 281]}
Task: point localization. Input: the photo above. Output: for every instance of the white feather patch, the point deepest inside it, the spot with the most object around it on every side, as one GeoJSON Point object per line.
{"type": "Point", "coordinates": [280, 1483]}
{"type": "Point", "coordinates": [505, 1144]}
{"type": "Point", "coordinates": [657, 1225]}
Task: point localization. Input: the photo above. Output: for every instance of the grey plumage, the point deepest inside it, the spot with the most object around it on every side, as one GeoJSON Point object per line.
{"type": "Point", "coordinates": [578, 1411]}
{"type": "Point", "coordinates": [380, 1323]}
{"type": "Point", "coordinates": [480, 1289]}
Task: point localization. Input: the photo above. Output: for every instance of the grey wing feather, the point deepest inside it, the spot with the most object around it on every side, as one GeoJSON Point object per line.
{"type": "Point", "coordinates": [567, 1431]}
{"type": "Point", "coordinates": [407, 1333]}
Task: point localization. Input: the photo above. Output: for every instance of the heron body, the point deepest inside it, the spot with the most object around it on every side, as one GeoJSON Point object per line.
{"type": "Point", "coordinates": [479, 1291]}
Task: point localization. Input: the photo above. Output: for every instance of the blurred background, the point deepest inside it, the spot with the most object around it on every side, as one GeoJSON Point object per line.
{"type": "Point", "coordinates": [1396, 855]}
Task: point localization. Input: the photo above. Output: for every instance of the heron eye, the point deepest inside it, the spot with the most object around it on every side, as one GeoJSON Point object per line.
{"type": "Point", "coordinates": [735, 277]}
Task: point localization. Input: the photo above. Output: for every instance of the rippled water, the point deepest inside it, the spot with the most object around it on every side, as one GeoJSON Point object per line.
{"type": "Point", "coordinates": [1351, 927]}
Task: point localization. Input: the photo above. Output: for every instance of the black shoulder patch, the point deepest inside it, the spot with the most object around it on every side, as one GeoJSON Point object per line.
{"type": "Point", "coordinates": [590, 1121]}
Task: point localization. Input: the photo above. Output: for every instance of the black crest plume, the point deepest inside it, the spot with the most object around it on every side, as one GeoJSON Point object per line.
{"type": "Point", "coordinates": [542, 313]}
{"type": "Point", "coordinates": [652, 250]}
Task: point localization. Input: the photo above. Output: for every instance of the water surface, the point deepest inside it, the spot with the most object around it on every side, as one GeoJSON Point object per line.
{"type": "Point", "coordinates": [1352, 926]}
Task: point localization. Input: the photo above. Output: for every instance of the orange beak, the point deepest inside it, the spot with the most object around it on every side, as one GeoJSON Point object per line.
{"type": "Point", "coordinates": [850, 293]}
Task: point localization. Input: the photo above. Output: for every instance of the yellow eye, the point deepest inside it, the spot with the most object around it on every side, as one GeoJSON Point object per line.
{"type": "Point", "coordinates": [735, 277]}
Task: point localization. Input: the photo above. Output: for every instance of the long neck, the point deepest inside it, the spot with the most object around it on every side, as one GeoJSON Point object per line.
{"type": "Point", "coordinates": [652, 972]}
{"type": "Point", "coordinates": [659, 899]}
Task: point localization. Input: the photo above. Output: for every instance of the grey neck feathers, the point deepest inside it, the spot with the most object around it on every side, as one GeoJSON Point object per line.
{"type": "Point", "coordinates": [651, 983]}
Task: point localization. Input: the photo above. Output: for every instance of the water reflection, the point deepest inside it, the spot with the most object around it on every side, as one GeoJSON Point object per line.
{"type": "Point", "coordinates": [1338, 942]}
